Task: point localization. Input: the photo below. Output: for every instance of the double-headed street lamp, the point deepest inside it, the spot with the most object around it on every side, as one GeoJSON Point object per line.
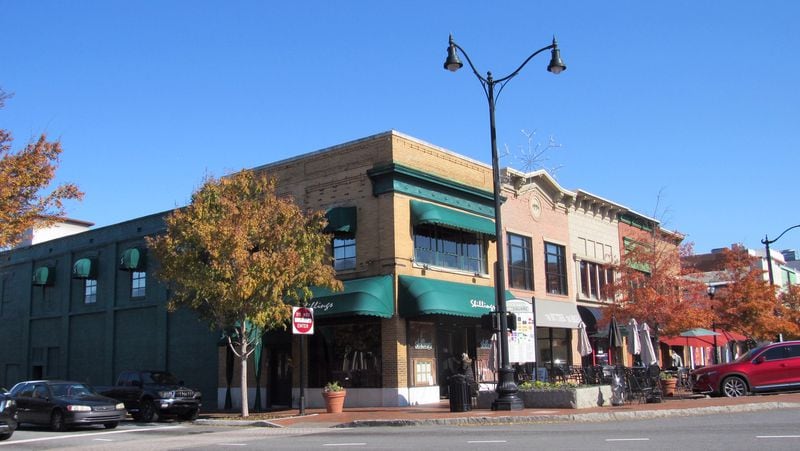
{"type": "Point", "coordinates": [507, 398]}
{"type": "Point", "coordinates": [766, 242]}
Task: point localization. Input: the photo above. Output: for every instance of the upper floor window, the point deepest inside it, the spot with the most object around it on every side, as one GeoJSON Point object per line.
{"type": "Point", "coordinates": [520, 262]}
{"type": "Point", "coordinates": [555, 268]}
{"type": "Point", "coordinates": [89, 291]}
{"type": "Point", "coordinates": [441, 246]}
{"type": "Point", "coordinates": [344, 253]}
{"type": "Point", "coordinates": [138, 284]}
{"type": "Point", "coordinates": [595, 278]}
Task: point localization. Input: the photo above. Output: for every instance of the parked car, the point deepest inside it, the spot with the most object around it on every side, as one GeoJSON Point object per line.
{"type": "Point", "coordinates": [772, 367]}
{"type": "Point", "coordinates": [8, 415]}
{"type": "Point", "coordinates": [61, 404]}
{"type": "Point", "coordinates": [150, 395]}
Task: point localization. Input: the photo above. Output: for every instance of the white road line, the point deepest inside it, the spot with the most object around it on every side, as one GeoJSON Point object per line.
{"type": "Point", "coordinates": [777, 436]}
{"type": "Point", "coordinates": [233, 444]}
{"type": "Point", "coordinates": [487, 441]}
{"type": "Point", "coordinates": [638, 439]}
{"type": "Point", "coordinates": [344, 444]}
{"type": "Point", "coordinates": [89, 434]}
{"type": "Point", "coordinates": [103, 440]}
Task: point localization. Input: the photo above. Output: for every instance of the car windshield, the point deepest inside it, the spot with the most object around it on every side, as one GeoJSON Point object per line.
{"type": "Point", "coordinates": [70, 389]}
{"type": "Point", "coordinates": [159, 377]}
{"type": "Point", "coordinates": [748, 355]}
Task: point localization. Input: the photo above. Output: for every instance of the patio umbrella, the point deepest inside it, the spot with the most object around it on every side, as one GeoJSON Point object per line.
{"type": "Point", "coordinates": [698, 332]}
{"type": "Point", "coordinates": [584, 347]}
{"type": "Point", "coordinates": [648, 353]}
{"type": "Point", "coordinates": [614, 334]}
{"type": "Point", "coordinates": [634, 344]}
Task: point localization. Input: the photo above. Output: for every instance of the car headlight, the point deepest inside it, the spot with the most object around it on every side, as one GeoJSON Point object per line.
{"type": "Point", "coordinates": [78, 408]}
{"type": "Point", "coordinates": [7, 404]}
{"type": "Point", "coordinates": [166, 394]}
{"type": "Point", "coordinates": [120, 406]}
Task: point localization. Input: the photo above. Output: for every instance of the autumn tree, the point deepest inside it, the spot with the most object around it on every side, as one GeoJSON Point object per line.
{"type": "Point", "coordinates": [747, 302]}
{"type": "Point", "coordinates": [790, 304]}
{"type": "Point", "coordinates": [240, 256]}
{"type": "Point", "coordinates": [25, 176]}
{"type": "Point", "coordinates": [651, 286]}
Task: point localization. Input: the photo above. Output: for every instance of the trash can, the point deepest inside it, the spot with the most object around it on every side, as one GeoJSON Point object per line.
{"type": "Point", "coordinates": [460, 400]}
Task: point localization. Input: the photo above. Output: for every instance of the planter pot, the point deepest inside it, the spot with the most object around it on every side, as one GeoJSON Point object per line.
{"type": "Point", "coordinates": [334, 401]}
{"type": "Point", "coordinates": [668, 386]}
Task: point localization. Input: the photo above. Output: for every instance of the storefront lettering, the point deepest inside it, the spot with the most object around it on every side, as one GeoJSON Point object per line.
{"type": "Point", "coordinates": [480, 303]}
{"type": "Point", "coordinates": [316, 305]}
{"type": "Point", "coordinates": [422, 343]}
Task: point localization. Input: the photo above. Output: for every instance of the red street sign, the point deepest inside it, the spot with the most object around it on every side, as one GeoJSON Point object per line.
{"type": "Point", "coordinates": [302, 321]}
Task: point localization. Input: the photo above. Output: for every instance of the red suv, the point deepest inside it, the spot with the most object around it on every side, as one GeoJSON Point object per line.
{"type": "Point", "coordinates": [772, 367]}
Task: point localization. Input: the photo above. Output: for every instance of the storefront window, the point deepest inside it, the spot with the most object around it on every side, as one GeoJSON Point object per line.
{"type": "Point", "coordinates": [349, 353]}
{"type": "Point", "coordinates": [554, 346]}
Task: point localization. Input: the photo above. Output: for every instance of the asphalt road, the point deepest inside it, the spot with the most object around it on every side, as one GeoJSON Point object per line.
{"type": "Point", "coordinates": [779, 430]}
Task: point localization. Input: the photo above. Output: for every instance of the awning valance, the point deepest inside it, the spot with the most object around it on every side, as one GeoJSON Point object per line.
{"type": "Point", "coordinates": [424, 296]}
{"type": "Point", "coordinates": [428, 213]}
{"type": "Point", "coordinates": [84, 268]}
{"type": "Point", "coordinates": [372, 296]}
{"type": "Point", "coordinates": [44, 275]}
{"type": "Point", "coordinates": [133, 259]}
{"type": "Point", "coordinates": [341, 220]}
{"type": "Point", "coordinates": [560, 314]}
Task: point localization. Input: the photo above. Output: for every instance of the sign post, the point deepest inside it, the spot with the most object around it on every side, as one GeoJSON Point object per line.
{"type": "Point", "coordinates": [302, 324]}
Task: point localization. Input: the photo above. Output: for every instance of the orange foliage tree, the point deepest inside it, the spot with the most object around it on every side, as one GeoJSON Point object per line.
{"type": "Point", "coordinates": [790, 302]}
{"type": "Point", "coordinates": [240, 256]}
{"type": "Point", "coordinates": [651, 287]}
{"type": "Point", "coordinates": [747, 303]}
{"type": "Point", "coordinates": [24, 177]}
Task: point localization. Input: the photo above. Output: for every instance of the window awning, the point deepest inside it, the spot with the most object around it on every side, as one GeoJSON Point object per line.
{"type": "Point", "coordinates": [423, 296]}
{"type": "Point", "coordinates": [341, 220]}
{"type": "Point", "coordinates": [84, 268]}
{"type": "Point", "coordinates": [44, 275]}
{"type": "Point", "coordinates": [590, 316]}
{"type": "Point", "coordinates": [372, 296]}
{"type": "Point", "coordinates": [428, 213]}
{"type": "Point", "coordinates": [560, 314]}
{"type": "Point", "coordinates": [132, 259]}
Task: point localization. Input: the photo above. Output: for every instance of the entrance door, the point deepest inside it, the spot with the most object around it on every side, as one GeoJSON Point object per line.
{"type": "Point", "coordinates": [280, 376]}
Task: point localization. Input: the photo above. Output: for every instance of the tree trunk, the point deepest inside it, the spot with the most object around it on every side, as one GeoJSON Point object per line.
{"type": "Point", "coordinates": [243, 385]}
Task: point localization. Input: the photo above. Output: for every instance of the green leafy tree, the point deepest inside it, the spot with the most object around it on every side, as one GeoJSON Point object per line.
{"type": "Point", "coordinates": [240, 256]}
{"type": "Point", "coordinates": [24, 178]}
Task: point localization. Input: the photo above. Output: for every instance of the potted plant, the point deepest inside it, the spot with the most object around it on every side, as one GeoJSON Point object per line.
{"type": "Point", "coordinates": [333, 394]}
{"type": "Point", "coordinates": [668, 382]}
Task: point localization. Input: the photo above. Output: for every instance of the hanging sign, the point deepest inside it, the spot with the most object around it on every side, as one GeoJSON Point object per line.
{"type": "Point", "coordinates": [302, 321]}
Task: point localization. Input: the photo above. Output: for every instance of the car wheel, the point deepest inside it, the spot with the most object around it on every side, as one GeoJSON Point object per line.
{"type": "Point", "coordinates": [190, 415]}
{"type": "Point", "coordinates": [734, 386]}
{"type": "Point", "coordinates": [111, 425]}
{"type": "Point", "coordinates": [57, 421]}
{"type": "Point", "coordinates": [148, 412]}
{"type": "Point", "coordinates": [5, 436]}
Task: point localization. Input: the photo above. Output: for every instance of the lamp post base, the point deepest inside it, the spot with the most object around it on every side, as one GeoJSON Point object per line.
{"type": "Point", "coordinates": [507, 398]}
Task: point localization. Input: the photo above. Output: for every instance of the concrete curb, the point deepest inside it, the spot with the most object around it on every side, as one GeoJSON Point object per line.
{"type": "Point", "coordinates": [241, 423]}
{"type": "Point", "coordinates": [594, 417]}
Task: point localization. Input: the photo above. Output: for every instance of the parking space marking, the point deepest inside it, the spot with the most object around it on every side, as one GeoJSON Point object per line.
{"type": "Point", "coordinates": [637, 439]}
{"type": "Point", "coordinates": [777, 436]}
{"type": "Point", "coordinates": [87, 434]}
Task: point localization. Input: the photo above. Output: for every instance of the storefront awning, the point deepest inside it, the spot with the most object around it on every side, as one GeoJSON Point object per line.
{"type": "Point", "coordinates": [424, 296]}
{"type": "Point", "coordinates": [341, 220]}
{"type": "Point", "coordinates": [560, 314]}
{"type": "Point", "coordinates": [590, 316]}
{"type": "Point", "coordinates": [372, 296]}
{"type": "Point", "coordinates": [132, 260]}
{"type": "Point", "coordinates": [428, 213]}
{"type": "Point", "coordinates": [43, 276]}
{"type": "Point", "coordinates": [84, 268]}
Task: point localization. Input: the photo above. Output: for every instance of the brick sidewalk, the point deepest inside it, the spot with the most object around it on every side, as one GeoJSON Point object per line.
{"type": "Point", "coordinates": [440, 413]}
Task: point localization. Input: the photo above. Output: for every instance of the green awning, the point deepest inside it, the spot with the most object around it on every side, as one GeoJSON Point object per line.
{"type": "Point", "coordinates": [424, 296]}
{"type": "Point", "coordinates": [84, 268]}
{"type": "Point", "coordinates": [132, 259]}
{"type": "Point", "coordinates": [372, 296]}
{"type": "Point", "coordinates": [427, 213]}
{"type": "Point", "coordinates": [44, 275]}
{"type": "Point", "coordinates": [341, 220]}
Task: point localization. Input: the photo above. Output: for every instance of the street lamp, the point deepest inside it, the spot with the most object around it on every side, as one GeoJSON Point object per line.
{"type": "Point", "coordinates": [507, 398]}
{"type": "Point", "coordinates": [711, 290]}
{"type": "Point", "coordinates": [766, 242]}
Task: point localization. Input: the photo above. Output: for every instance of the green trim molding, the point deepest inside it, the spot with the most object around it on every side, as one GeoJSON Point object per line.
{"type": "Point", "coordinates": [396, 178]}
{"type": "Point", "coordinates": [428, 213]}
{"type": "Point", "coordinates": [423, 296]}
{"type": "Point", "coordinates": [371, 296]}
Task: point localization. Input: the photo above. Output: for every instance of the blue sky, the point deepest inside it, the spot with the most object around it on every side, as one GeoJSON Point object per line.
{"type": "Point", "coordinates": [697, 101]}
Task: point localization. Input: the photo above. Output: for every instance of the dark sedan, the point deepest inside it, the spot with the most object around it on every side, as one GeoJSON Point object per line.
{"type": "Point", "coordinates": [8, 416]}
{"type": "Point", "coordinates": [61, 404]}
